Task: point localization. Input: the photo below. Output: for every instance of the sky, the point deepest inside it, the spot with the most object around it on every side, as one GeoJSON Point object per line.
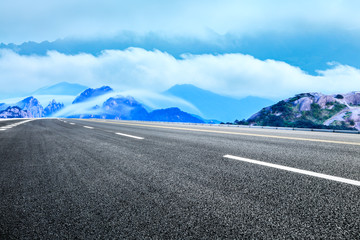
{"type": "Point", "coordinates": [271, 49]}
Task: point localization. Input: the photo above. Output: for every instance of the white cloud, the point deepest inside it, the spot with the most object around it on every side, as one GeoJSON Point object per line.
{"type": "Point", "coordinates": [235, 75]}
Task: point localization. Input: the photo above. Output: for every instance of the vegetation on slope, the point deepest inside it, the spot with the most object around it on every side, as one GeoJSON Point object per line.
{"type": "Point", "coordinates": [286, 113]}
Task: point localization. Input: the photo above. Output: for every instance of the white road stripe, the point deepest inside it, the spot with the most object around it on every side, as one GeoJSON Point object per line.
{"type": "Point", "coordinates": [14, 125]}
{"type": "Point", "coordinates": [296, 170]}
{"type": "Point", "coordinates": [88, 127]}
{"type": "Point", "coordinates": [127, 135]}
{"type": "Point", "coordinates": [72, 123]}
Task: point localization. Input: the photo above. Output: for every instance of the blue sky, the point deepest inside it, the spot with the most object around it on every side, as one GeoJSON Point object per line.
{"type": "Point", "coordinates": [270, 49]}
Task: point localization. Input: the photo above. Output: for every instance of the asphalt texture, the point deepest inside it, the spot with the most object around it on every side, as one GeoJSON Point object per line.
{"type": "Point", "coordinates": [64, 181]}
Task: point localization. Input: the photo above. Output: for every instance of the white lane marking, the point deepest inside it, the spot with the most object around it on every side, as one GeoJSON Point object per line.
{"type": "Point", "coordinates": [234, 133]}
{"type": "Point", "coordinates": [72, 123]}
{"type": "Point", "coordinates": [14, 125]}
{"type": "Point", "coordinates": [296, 170]}
{"type": "Point", "coordinates": [130, 136]}
{"type": "Point", "coordinates": [88, 127]}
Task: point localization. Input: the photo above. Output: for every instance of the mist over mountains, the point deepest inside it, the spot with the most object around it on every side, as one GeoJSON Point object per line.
{"type": "Point", "coordinates": [215, 106]}
{"type": "Point", "coordinates": [186, 103]}
{"type": "Point", "coordinates": [29, 107]}
{"type": "Point", "coordinates": [62, 88]}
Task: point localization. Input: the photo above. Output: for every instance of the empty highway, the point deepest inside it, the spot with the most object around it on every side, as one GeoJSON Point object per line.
{"type": "Point", "coordinates": [97, 179]}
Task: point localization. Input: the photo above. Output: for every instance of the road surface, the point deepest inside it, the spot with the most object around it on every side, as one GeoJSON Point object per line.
{"type": "Point", "coordinates": [92, 179]}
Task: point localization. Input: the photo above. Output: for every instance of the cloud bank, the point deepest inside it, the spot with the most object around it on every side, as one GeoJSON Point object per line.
{"type": "Point", "coordinates": [39, 20]}
{"type": "Point", "coordinates": [235, 75]}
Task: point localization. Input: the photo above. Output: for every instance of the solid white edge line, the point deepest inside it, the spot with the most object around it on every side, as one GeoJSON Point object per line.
{"type": "Point", "coordinates": [13, 125]}
{"type": "Point", "coordinates": [296, 170]}
{"type": "Point", "coordinates": [127, 135]}
{"type": "Point", "coordinates": [88, 127]}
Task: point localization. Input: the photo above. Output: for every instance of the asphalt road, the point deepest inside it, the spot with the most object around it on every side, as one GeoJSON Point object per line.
{"type": "Point", "coordinates": [134, 180]}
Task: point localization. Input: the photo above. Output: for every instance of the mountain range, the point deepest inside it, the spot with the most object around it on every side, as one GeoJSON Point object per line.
{"type": "Point", "coordinates": [62, 88]}
{"type": "Point", "coordinates": [215, 106]}
{"type": "Point", "coordinates": [91, 93]}
{"type": "Point", "coordinates": [117, 107]}
{"type": "Point", "coordinates": [29, 107]}
{"type": "Point", "coordinates": [127, 108]}
{"type": "Point", "coordinates": [205, 105]}
{"type": "Point", "coordinates": [309, 110]}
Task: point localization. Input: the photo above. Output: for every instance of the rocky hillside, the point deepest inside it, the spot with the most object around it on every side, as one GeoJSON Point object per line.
{"type": "Point", "coordinates": [314, 110]}
{"type": "Point", "coordinates": [173, 115]}
{"type": "Point", "coordinates": [127, 108]}
{"type": "Point", "coordinates": [90, 104]}
{"type": "Point", "coordinates": [52, 108]}
{"type": "Point", "coordinates": [92, 93]}
{"type": "Point", "coordinates": [29, 107]}
{"type": "Point", "coordinates": [32, 106]}
{"type": "Point", "coordinates": [14, 112]}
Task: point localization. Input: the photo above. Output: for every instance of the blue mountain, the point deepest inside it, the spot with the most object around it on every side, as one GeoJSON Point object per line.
{"type": "Point", "coordinates": [92, 93]}
{"type": "Point", "coordinates": [62, 88]}
{"type": "Point", "coordinates": [127, 108]}
{"type": "Point", "coordinates": [2, 106]}
{"type": "Point", "coordinates": [14, 112]}
{"type": "Point", "coordinates": [173, 115]}
{"type": "Point", "coordinates": [32, 106]}
{"type": "Point", "coordinates": [215, 106]}
{"type": "Point", "coordinates": [52, 108]}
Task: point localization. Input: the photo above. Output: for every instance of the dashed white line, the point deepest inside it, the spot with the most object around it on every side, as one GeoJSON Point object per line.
{"type": "Point", "coordinates": [130, 136]}
{"type": "Point", "coordinates": [296, 170]}
{"type": "Point", "coordinates": [88, 127]}
{"type": "Point", "coordinates": [2, 129]}
{"type": "Point", "coordinates": [72, 123]}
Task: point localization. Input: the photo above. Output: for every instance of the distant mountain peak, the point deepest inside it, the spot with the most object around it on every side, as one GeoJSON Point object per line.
{"type": "Point", "coordinates": [216, 106]}
{"type": "Point", "coordinates": [126, 108]}
{"type": "Point", "coordinates": [62, 88]}
{"type": "Point", "coordinates": [173, 114]}
{"type": "Point", "coordinates": [32, 106]}
{"type": "Point", "coordinates": [186, 88]}
{"type": "Point", "coordinates": [92, 93]}
{"type": "Point", "coordinates": [52, 108]}
{"type": "Point", "coordinates": [26, 101]}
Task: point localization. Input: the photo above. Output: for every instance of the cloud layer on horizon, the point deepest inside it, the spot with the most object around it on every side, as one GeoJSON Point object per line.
{"type": "Point", "coordinates": [235, 75]}
{"type": "Point", "coordinates": [40, 20]}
